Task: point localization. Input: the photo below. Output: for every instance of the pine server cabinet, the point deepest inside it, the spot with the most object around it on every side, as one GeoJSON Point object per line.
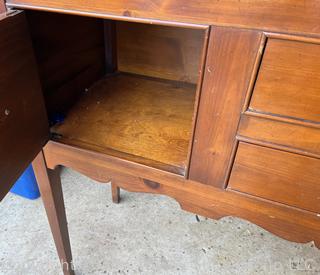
{"type": "Point", "coordinates": [225, 119]}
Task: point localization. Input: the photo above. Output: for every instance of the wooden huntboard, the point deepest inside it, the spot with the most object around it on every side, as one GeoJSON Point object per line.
{"type": "Point", "coordinates": [293, 16]}
{"type": "Point", "coordinates": [213, 103]}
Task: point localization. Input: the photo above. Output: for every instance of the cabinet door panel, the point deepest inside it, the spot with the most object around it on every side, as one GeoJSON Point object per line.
{"type": "Point", "coordinates": [23, 120]}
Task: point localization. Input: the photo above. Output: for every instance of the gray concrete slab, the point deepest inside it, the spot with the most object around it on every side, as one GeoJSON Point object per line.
{"type": "Point", "coordinates": [144, 234]}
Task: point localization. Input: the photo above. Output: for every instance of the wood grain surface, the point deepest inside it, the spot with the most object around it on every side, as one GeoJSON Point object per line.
{"type": "Point", "coordinates": [70, 55]}
{"type": "Point", "coordinates": [294, 16]}
{"type": "Point", "coordinates": [277, 175]}
{"type": "Point", "coordinates": [52, 196]}
{"type": "Point", "coordinates": [290, 135]}
{"type": "Point", "coordinates": [160, 51]}
{"type": "Point", "coordinates": [230, 61]}
{"type": "Point", "coordinates": [138, 118]}
{"type": "Point", "coordinates": [288, 82]}
{"type": "Point", "coordinates": [23, 122]}
{"type": "Point", "coordinates": [287, 222]}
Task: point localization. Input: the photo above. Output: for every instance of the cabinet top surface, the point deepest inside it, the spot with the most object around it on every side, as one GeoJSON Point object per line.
{"type": "Point", "coordinates": [288, 16]}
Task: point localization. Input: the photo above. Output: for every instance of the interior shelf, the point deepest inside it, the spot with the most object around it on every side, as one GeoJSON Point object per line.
{"type": "Point", "coordinates": [138, 118]}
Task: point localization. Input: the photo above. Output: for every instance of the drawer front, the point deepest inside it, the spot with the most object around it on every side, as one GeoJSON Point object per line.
{"type": "Point", "coordinates": [288, 82]}
{"type": "Point", "coordinates": [276, 175]}
{"type": "Point", "coordinates": [304, 138]}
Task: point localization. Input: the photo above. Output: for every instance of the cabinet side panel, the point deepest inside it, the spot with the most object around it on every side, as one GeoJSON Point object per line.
{"type": "Point", "coordinates": [232, 54]}
{"type": "Point", "coordinates": [70, 56]}
{"type": "Point", "coordinates": [23, 122]}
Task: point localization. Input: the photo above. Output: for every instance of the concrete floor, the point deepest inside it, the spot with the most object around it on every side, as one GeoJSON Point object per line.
{"type": "Point", "coordinates": [145, 234]}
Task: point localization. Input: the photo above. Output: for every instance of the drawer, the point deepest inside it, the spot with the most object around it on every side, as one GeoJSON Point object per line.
{"type": "Point", "coordinates": [276, 175]}
{"type": "Point", "coordinates": [303, 138]}
{"type": "Point", "coordinates": [288, 82]}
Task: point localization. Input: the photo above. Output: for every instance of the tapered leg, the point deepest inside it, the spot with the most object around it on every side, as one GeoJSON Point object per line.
{"type": "Point", "coordinates": [115, 193]}
{"type": "Point", "coordinates": [52, 197]}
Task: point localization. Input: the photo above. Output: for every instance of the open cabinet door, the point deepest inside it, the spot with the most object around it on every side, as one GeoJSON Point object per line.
{"type": "Point", "coordinates": [23, 121]}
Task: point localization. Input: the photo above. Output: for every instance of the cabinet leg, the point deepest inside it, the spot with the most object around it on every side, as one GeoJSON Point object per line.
{"type": "Point", "coordinates": [52, 197]}
{"type": "Point", "coordinates": [115, 193]}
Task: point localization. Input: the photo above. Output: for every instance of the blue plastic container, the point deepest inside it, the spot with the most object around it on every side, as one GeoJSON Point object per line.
{"type": "Point", "coordinates": [26, 186]}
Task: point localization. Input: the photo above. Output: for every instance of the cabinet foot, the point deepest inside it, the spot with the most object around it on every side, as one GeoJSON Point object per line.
{"type": "Point", "coordinates": [115, 193]}
{"type": "Point", "coordinates": [52, 197]}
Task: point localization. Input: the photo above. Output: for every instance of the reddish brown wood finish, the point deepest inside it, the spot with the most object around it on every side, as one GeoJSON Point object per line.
{"type": "Point", "coordinates": [277, 176]}
{"type": "Point", "coordinates": [70, 56]}
{"type": "Point", "coordinates": [287, 222]}
{"type": "Point", "coordinates": [288, 81]}
{"type": "Point", "coordinates": [52, 197]}
{"type": "Point", "coordinates": [138, 118]}
{"type": "Point", "coordinates": [115, 190]}
{"type": "Point", "coordinates": [304, 138]}
{"type": "Point", "coordinates": [231, 57]}
{"type": "Point", "coordinates": [287, 208]}
{"type": "Point", "coordinates": [160, 51]}
{"type": "Point", "coordinates": [23, 121]}
{"type": "Point", "coordinates": [110, 45]}
{"type": "Point", "coordinates": [2, 6]}
{"type": "Point", "coordinates": [285, 16]}
{"type": "Point", "coordinates": [283, 115]}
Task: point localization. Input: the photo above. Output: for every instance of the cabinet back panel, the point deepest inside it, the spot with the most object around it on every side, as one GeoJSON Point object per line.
{"type": "Point", "coordinates": [160, 51]}
{"type": "Point", "coordinates": [70, 55]}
